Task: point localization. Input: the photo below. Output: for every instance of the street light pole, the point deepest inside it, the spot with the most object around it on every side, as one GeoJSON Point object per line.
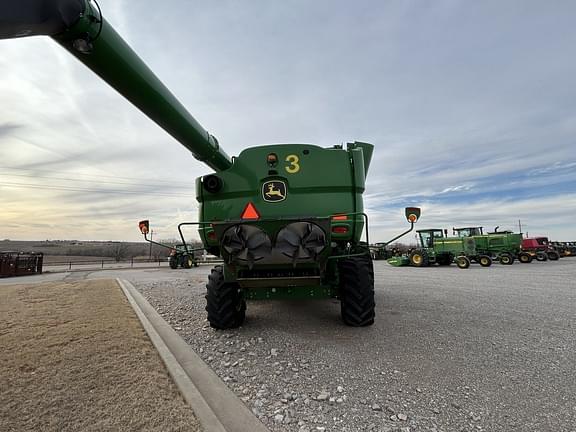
{"type": "Point", "coordinates": [150, 254]}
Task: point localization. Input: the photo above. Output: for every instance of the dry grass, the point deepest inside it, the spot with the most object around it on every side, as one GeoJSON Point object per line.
{"type": "Point", "coordinates": [74, 357]}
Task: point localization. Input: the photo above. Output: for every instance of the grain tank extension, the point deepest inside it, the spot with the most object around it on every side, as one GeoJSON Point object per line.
{"type": "Point", "coordinates": [287, 219]}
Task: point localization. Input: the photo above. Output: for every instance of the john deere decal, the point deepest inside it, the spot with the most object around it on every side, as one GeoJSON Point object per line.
{"type": "Point", "coordinates": [274, 191]}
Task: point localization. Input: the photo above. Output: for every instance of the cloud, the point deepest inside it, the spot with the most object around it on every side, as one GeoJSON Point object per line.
{"type": "Point", "coordinates": [8, 128]}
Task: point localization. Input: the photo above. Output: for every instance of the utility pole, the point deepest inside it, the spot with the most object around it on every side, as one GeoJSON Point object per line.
{"type": "Point", "coordinates": [150, 254]}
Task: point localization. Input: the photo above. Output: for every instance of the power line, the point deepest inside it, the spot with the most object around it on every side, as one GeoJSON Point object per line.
{"type": "Point", "coordinates": [76, 189]}
{"type": "Point", "coordinates": [34, 170]}
{"type": "Point", "coordinates": [95, 180]}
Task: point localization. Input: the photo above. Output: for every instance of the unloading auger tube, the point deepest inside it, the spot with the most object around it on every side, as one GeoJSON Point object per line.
{"type": "Point", "coordinates": [79, 27]}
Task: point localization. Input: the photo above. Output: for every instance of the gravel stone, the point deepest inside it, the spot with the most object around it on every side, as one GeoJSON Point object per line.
{"type": "Point", "coordinates": [467, 338]}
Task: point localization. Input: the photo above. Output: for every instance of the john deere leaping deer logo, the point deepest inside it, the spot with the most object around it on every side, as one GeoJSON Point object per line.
{"type": "Point", "coordinates": [274, 191]}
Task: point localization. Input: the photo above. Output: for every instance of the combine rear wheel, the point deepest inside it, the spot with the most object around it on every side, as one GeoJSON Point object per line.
{"type": "Point", "coordinates": [225, 303]}
{"type": "Point", "coordinates": [357, 291]}
{"type": "Point", "coordinates": [173, 263]}
{"type": "Point", "coordinates": [524, 257]}
{"type": "Point", "coordinates": [553, 255]}
{"type": "Point", "coordinates": [462, 262]}
{"type": "Point", "coordinates": [485, 261]}
{"type": "Point", "coordinates": [419, 258]}
{"type": "Point", "coordinates": [506, 259]}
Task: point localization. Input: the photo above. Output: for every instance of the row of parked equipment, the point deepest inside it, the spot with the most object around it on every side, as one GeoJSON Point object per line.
{"type": "Point", "coordinates": [471, 244]}
{"type": "Point", "coordinates": [20, 263]}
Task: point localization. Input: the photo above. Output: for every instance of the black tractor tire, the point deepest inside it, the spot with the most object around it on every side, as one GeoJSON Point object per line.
{"type": "Point", "coordinates": [225, 302]}
{"type": "Point", "coordinates": [173, 262]}
{"type": "Point", "coordinates": [485, 260]}
{"type": "Point", "coordinates": [462, 262]}
{"type": "Point", "coordinates": [524, 258]}
{"type": "Point", "coordinates": [506, 259]}
{"type": "Point", "coordinates": [419, 258]}
{"type": "Point", "coordinates": [187, 261]}
{"type": "Point", "coordinates": [357, 291]}
{"type": "Point", "coordinates": [541, 256]}
{"type": "Point", "coordinates": [553, 255]}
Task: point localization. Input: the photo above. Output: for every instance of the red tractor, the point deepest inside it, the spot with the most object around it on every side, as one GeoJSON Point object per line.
{"type": "Point", "coordinates": [540, 248]}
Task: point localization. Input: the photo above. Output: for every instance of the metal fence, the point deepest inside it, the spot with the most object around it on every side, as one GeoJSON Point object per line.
{"type": "Point", "coordinates": [110, 263]}
{"type": "Point", "coordinates": [106, 263]}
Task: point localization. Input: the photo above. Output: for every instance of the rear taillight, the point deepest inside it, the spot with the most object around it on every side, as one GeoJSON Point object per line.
{"type": "Point", "coordinates": [340, 229]}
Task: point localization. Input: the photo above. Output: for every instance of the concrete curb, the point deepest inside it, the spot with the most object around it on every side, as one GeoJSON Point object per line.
{"type": "Point", "coordinates": [215, 405]}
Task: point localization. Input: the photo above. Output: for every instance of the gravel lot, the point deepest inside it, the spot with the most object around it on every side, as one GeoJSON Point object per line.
{"type": "Point", "coordinates": [489, 349]}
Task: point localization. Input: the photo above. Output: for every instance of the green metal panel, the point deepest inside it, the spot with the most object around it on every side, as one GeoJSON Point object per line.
{"type": "Point", "coordinates": [398, 261]}
{"type": "Point", "coordinates": [455, 245]}
{"type": "Point", "coordinates": [319, 183]}
{"type": "Point", "coordinates": [498, 243]}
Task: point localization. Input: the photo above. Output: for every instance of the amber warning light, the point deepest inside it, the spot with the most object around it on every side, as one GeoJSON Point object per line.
{"type": "Point", "coordinates": [340, 217]}
{"type": "Point", "coordinates": [412, 214]}
{"type": "Point", "coordinates": [144, 226]}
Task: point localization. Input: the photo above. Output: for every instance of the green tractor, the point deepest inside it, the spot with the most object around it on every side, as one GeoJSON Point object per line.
{"type": "Point", "coordinates": [287, 219]}
{"type": "Point", "coordinates": [180, 256]}
{"type": "Point", "coordinates": [437, 248]}
{"type": "Point", "coordinates": [504, 246]}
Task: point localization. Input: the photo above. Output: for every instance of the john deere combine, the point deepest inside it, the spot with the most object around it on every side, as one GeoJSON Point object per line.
{"type": "Point", "coordinates": [288, 219]}
{"type": "Point", "coordinates": [504, 246]}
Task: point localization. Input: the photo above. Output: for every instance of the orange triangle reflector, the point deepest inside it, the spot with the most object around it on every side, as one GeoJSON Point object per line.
{"type": "Point", "coordinates": [250, 212]}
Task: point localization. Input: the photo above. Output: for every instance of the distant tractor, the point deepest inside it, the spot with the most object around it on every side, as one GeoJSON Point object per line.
{"type": "Point", "coordinates": [379, 251]}
{"type": "Point", "coordinates": [564, 249]}
{"type": "Point", "coordinates": [571, 248]}
{"type": "Point", "coordinates": [181, 257]}
{"type": "Point", "coordinates": [504, 246]}
{"type": "Point", "coordinates": [436, 248]}
{"type": "Point", "coordinates": [540, 248]}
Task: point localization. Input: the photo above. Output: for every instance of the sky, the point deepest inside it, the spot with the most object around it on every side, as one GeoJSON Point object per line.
{"type": "Point", "coordinates": [471, 107]}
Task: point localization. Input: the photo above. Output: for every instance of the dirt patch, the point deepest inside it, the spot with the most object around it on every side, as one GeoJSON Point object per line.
{"type": "Point", "coordinates": [75, 357]}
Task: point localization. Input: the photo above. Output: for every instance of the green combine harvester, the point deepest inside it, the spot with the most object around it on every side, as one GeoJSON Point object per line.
{"type": "Point", "coordinates": [503, 246]}
{"type": "Point", "coordinates": [436, 248]}
{"type": "Point", "coordinates": [287, 219]}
